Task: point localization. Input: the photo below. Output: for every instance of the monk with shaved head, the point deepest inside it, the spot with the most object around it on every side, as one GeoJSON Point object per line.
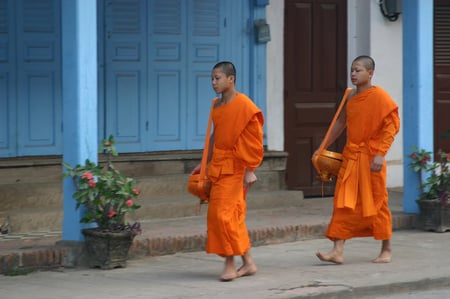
{"type": "Point", "coordinates": [236, 150]}
{"type": "Point", "coordinates": [361, 198]}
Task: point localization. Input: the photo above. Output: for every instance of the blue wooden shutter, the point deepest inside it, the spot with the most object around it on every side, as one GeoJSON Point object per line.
{"type": "Point", "coordinates": [205, 48]}
{"type": "Point", "coordinates": [167, 74]}
{"type": "Point", "coordinates": [126, 73]}
{"type": "Point", "coordinates": [39, 77]}
{"type": "Point", "coordinates": [184, 45]}
{"type": "Point", "coordinates": [7, 82]}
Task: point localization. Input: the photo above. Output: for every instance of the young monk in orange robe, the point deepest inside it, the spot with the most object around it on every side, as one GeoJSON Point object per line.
{"type": "Point", "coordinates": [361, 198]}
{"type": "Point", "coordinates": [236, 149]}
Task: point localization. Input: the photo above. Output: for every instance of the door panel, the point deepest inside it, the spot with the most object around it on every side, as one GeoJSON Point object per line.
{"type": "Point", "coordinates": [167, 74]}
{"type": "Point", "coordinates": [7, 80]}
{"type": "Point", "coordinates": [38, 77]}
{"type": "Point", "coordinates": [207, 31]}
{"type": "Point", "coordinates": [315, 79]}
{"type": "Point", "coordinates": [125, 73]}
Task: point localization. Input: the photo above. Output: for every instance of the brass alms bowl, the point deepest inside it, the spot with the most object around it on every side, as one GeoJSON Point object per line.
{"type": "Point", "coordinates": [327, 164]}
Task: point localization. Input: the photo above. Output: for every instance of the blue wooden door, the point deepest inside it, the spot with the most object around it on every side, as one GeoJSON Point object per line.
{"type": "Point", "coordinates": [158, 59]}
{"type": "Point", "coordinates": [30, 77]}
{"type": "Point", "coordinates": [185, 39]}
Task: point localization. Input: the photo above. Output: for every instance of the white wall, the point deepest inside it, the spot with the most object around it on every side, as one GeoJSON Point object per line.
{"type": "Point", "coordinates": [275, 76]}
{"type": "Point", "coordinates": [386, 48]}
{"type": "Point", "coordinates": [368, 33]}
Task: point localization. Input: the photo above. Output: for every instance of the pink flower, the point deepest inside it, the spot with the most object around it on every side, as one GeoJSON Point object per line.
{"type": "Point", "coordinates": [136, 191]}
{"type": "Point", "coordinates": [92, 183]}
{"type": "Point", "coordinates": [87, 175]}
{"type": "Point", "coordinates": [107, 143]}
{"type": "Point", "coordinates": [112, 213]}
{"type": "Point", "coordinates": [129, 203]}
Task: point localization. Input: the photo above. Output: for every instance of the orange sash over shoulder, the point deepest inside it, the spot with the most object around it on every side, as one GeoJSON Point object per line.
{"type": "Point", "coordinates": [230, 121]}
{"type": "Point", "coordinates": [366, 113]}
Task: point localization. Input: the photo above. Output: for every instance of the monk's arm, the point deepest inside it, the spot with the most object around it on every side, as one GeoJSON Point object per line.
{"type": "Point", "coordinates": [391, 125]}
{"type": "Point", "coordinates": [249, 146]}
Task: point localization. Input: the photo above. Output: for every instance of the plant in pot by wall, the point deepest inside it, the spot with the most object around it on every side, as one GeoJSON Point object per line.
{"type": "Point", "coordinates": [434, 177]}
{"type": "Point", "coordinates": [107, 196]}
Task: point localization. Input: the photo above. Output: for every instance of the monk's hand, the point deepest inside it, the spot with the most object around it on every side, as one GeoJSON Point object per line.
{"type": "Point", "coordinates": [377, 163]}
{"type": "Point", "coordinates": [196, 169]}
{"type": "Point", "coordinates": [249, 179]}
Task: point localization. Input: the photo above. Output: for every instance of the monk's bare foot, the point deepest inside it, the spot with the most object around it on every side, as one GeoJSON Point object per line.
{"type": "Point", "coordinates": [229, 271]}
{"type": "Point", "coordinates": [383, 258]}
{"type": "Point", "coordinates": [229, 276]}
{"type": "Point", "coordinates": [247, 270]}
{"type": "Point", "coordinates": [331, 258]}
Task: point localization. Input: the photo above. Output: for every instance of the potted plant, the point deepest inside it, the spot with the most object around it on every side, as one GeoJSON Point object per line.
{"type": "Point", "coordinates": [107, 196]}
{"type": "Point", "coordinates": [434, 188]}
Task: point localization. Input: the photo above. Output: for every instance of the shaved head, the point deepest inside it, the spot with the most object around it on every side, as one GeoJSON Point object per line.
{"type": "Point", "coordinates": [226, 67]}
{"type": "Point", "coordinates": [367, 61]}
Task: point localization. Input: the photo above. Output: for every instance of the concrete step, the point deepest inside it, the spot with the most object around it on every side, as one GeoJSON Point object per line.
{"type": "Point", "coordinates": [175, 185]}
{"type": "Point", "coordinates": [31, 187]}
{"type": "Point", "coordinates": [26, 196]}
{"type": "Point", "coordinates": [35, 220]}
{"type": "Point", "coordinates": [187, 205]}
{"type": "Point", "coordinates": [50, 219]}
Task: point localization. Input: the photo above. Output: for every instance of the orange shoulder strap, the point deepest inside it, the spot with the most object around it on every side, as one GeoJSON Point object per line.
{"type": "Point", "coordinates": [336, 115]}
{"type": "Point", "coordinates": [206, 146]}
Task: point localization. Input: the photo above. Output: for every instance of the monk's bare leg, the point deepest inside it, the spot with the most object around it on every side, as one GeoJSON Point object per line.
{"type": "Point", "coordinates": [229, 272]}
{"type": "Point", "coordinates": [385, 254]}
{"type": "Point", "coordinates": [248, 265]}
{"type": "Point", "coordinates": [336, 255]}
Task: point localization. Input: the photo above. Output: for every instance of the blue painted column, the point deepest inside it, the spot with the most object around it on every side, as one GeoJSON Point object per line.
{"type": "Point", "coordinates": [79, 63]}
{"type": "Point", "coordinates": [417, 90]}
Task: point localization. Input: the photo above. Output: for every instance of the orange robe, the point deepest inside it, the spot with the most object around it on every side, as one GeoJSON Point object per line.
{"type": "Point", "coordinates": [238, 145]}
{"type": "Point", "coordinates": [361, 199]}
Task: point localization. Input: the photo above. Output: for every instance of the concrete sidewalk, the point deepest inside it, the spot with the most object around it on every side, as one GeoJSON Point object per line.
{"type": "Point", "coordinates": [288, 270]}
{"type": "Point", "coordinates": [168, 261]}
{"type": "Point", "coordinates": [305, 219]}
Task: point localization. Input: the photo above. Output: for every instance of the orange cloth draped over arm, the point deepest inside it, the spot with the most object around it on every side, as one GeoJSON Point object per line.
{"type": "Point", "coordinates": [238, 145]}
{"type": "Point", "coordinates": [372, 123]}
